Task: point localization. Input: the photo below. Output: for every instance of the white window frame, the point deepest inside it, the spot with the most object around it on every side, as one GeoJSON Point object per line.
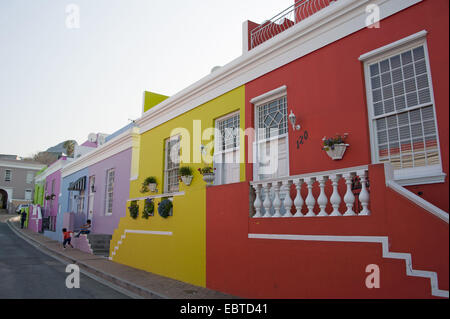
{"type": "Point", "coordinates": [257, 102]}
{"type": "Point", "coordinates": [107, 192]}
{"type": "Point", "coordinates": [405, 176]}
{"type": "Point", "coordinates": [166, 161]}
{"type": "Point", "coordinates": [81, 200]}
{"type": "Point", "coordinates": [29, 191]}
{"type": "Point", "coordinates": [219, 152]}
{"type": "Point", "coordinates": [29, 179]}
{"type": "Point", "coordinates": [10, 175]}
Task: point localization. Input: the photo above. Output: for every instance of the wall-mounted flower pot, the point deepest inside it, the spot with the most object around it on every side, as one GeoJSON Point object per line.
{"type": "Point", "coordinates": [187, 179]}
{"type": "Point", "coordinates": [152, 187]}
{"type": "Point", "coordinates": [208, 178]}
{"type": "Point", "coordinates": [338, 152]}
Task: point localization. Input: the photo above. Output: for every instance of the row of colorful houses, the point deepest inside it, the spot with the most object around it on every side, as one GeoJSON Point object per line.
{"type": "Point", "coordinates": [284, 215]}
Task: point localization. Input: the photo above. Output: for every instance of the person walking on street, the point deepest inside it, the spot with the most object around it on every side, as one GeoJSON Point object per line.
{"type": "Point", "coordinates": [67, 238]}
{"type": "Point", "coordinates": [23, 218]}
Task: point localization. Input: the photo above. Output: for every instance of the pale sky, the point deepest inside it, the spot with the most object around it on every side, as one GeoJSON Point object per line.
{"type": "Point", "coordinates": [58, 83]}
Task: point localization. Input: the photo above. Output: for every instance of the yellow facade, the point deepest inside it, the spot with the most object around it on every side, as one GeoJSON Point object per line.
{"type": "Point", "coordinates": [178, 252]}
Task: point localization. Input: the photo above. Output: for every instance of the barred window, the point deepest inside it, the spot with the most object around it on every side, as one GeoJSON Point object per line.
{"type": "Point", "coordinates": [30, 177]}
{"type": "Point", "coordinates": [272, 119]}
{"type": "Point", "coordinates": [8, 175]}
{"type": "Point", "coordinates": [172, 164]}
{"type": "Point", "coordinates": [226, 151]}
{"type": "Point", "coordinates": [403, 111]}
{"type": "Point", "coordinates": [110, 174]}
{"type": "Point", "coordinates": [229, 133]}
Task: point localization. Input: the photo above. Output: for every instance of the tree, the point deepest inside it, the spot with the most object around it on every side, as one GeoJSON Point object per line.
{"type": "Point", "coordinates": [70, 147]}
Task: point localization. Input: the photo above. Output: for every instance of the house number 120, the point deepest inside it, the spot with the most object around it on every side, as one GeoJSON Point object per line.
{"type": "Point", "coordinates": [302, 138]}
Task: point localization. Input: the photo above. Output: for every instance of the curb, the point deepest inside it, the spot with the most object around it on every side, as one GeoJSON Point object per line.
{"type": "Point", "coordinates": [119, 284]}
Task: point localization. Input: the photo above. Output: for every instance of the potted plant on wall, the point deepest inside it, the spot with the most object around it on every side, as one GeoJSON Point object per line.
{"type": "Point", "coordinates": [335, 146]}
{"type": "Point", "coordinates": [149, 184]}
{"type": "Point", "coordinates": [165, 208]}
{"type": "Point", "coordinates": [134, 210]}
{"type": "Point", "coordinates": [208, 174]}
{"type": "Point", "coordinates": [186, 175]}
{"type": "Point", "coordinates": [149, 208]}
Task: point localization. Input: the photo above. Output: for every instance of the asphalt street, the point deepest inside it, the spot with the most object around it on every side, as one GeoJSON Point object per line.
{"type": "Point", "coordinates": [26, 272]}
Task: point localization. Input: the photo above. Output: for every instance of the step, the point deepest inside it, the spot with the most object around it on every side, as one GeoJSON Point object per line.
{"type": "Point", "coordinates": [102, 253]}
{"type": "Point", "coordinates": [99, 236]}
{"type": "Point", "coordinates": [99, 247]}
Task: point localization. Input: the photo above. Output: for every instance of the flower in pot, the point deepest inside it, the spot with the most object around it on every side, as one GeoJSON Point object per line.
{"type": "Point", "coordinates": [149, 208]}
{"type": "Point", "coordinates": [208, 174]}
{"type": "Point", "coordinates": [335, 146]}
{"type": "Point", "coordinates": [134, 210]}
{"type": "Point", "coordinates": [186, 175]}
{"type": "Point", "coordinates": [149, 184]}
{"type": "Point", "coordinates": [165, 208]}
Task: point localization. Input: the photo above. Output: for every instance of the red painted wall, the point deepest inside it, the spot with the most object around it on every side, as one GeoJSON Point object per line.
{"type": "Point", "coordinates": [256, 268]}
{"type": "Point", "coordinates": [326, 90]}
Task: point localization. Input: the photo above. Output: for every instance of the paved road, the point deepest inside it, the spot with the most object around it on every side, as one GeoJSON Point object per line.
{"type": "Point", "coordinates": [26, 272]}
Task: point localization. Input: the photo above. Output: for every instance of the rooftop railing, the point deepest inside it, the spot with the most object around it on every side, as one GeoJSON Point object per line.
{"type": "Point", "coordinates": [284, 20]}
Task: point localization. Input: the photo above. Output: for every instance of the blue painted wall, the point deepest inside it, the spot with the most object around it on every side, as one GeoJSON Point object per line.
{"type": "Point", "coordinates": [80, 219]}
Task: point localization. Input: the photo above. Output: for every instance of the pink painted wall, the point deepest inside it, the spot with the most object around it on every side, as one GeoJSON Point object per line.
{"type": "Point", "coordinates": [121, 162]}
{"type": "Point", "coordinates": [82, 243]}
{"type": "Point", "coordinates": [34, 219]}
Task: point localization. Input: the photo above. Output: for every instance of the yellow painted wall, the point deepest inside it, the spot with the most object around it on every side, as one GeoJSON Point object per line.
{"type": "Point", "coordinates": [181, 256]}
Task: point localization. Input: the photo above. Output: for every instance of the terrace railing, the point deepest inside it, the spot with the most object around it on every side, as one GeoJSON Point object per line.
{"type": "Point", "coordinates": [301, 10]}
{"type": "Point", "coordinates": [273, 198]}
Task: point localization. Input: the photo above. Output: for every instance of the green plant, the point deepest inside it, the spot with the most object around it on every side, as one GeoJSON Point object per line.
{"type": "Point", "coordinates": [149, 208]}
{"type": "Point", "coordinates": [329, 143]}
{"type": "Point", "coordinates": [147, 181]}
{"type": "Point", "coordinates": [134, 210]}
{"type": "Point", "coordinates": [185, 171]}
{"type": "Point", "coordinates": [206, 170]}
{"type": "Point", "coordinates": [150, 180]}
{"type": "Point", "coordinates": [165, 208]}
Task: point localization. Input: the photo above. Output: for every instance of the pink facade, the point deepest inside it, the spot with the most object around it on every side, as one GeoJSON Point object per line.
{"type": "Point", "coordinates": [104, 222]}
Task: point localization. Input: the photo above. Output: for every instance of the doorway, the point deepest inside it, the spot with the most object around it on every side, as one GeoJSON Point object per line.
{"type": "Point", "coordinates": [3, 199]}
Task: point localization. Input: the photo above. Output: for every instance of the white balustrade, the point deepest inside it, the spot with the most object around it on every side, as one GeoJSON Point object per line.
{"type": "Point", "coordinates": [273, 197]}
{"type": "Point", "coordinates": [287, 203]}
{"type": "Point", "coordinates": [298, 202]}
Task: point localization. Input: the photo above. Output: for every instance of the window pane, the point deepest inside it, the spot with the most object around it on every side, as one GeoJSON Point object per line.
{"type": "Point", "coordinates": [405, 138]}
{"type": "Point", "coordinates": [272, 118]}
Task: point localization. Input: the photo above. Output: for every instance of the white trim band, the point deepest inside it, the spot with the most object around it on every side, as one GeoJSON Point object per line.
{"type": "Point", "coordinates": [393, 45]}
{"type": "Point", "coordinates": [384, 241]}
{"type": "Point", "coordinates": [268, 95]}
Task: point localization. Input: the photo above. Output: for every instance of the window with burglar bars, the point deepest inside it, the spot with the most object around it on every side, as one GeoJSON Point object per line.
{"type": "Point", "coordinates": [272, 139]}
{"type": "Point", "coordinates": [8, 175]}
{"type": "Point", "coordinates": [229, 133]}
{"type": "Point", "coordinates": [226, 149]}
{"type": "Point", "coordinates": [402, 110]}
{"type": "Point", "coordinates": [110, 174]}
{"type": "Point", "coordinates": [272, 119]}
{"type": "Point", "coordinates": [172, 165]}
{"type": "Point", "coordinates": [30, 177]}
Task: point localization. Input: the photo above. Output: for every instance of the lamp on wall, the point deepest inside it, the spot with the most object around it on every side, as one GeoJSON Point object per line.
{"type": "Point", "coordinates": [293, 119]}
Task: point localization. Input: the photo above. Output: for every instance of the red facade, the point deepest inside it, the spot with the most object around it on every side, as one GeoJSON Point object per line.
{"type": "Point", "coordinates": [326, 89]}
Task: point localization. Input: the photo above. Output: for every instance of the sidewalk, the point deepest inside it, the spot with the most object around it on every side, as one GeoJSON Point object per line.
{"type": "Point", "coordinates": [138, 282]}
